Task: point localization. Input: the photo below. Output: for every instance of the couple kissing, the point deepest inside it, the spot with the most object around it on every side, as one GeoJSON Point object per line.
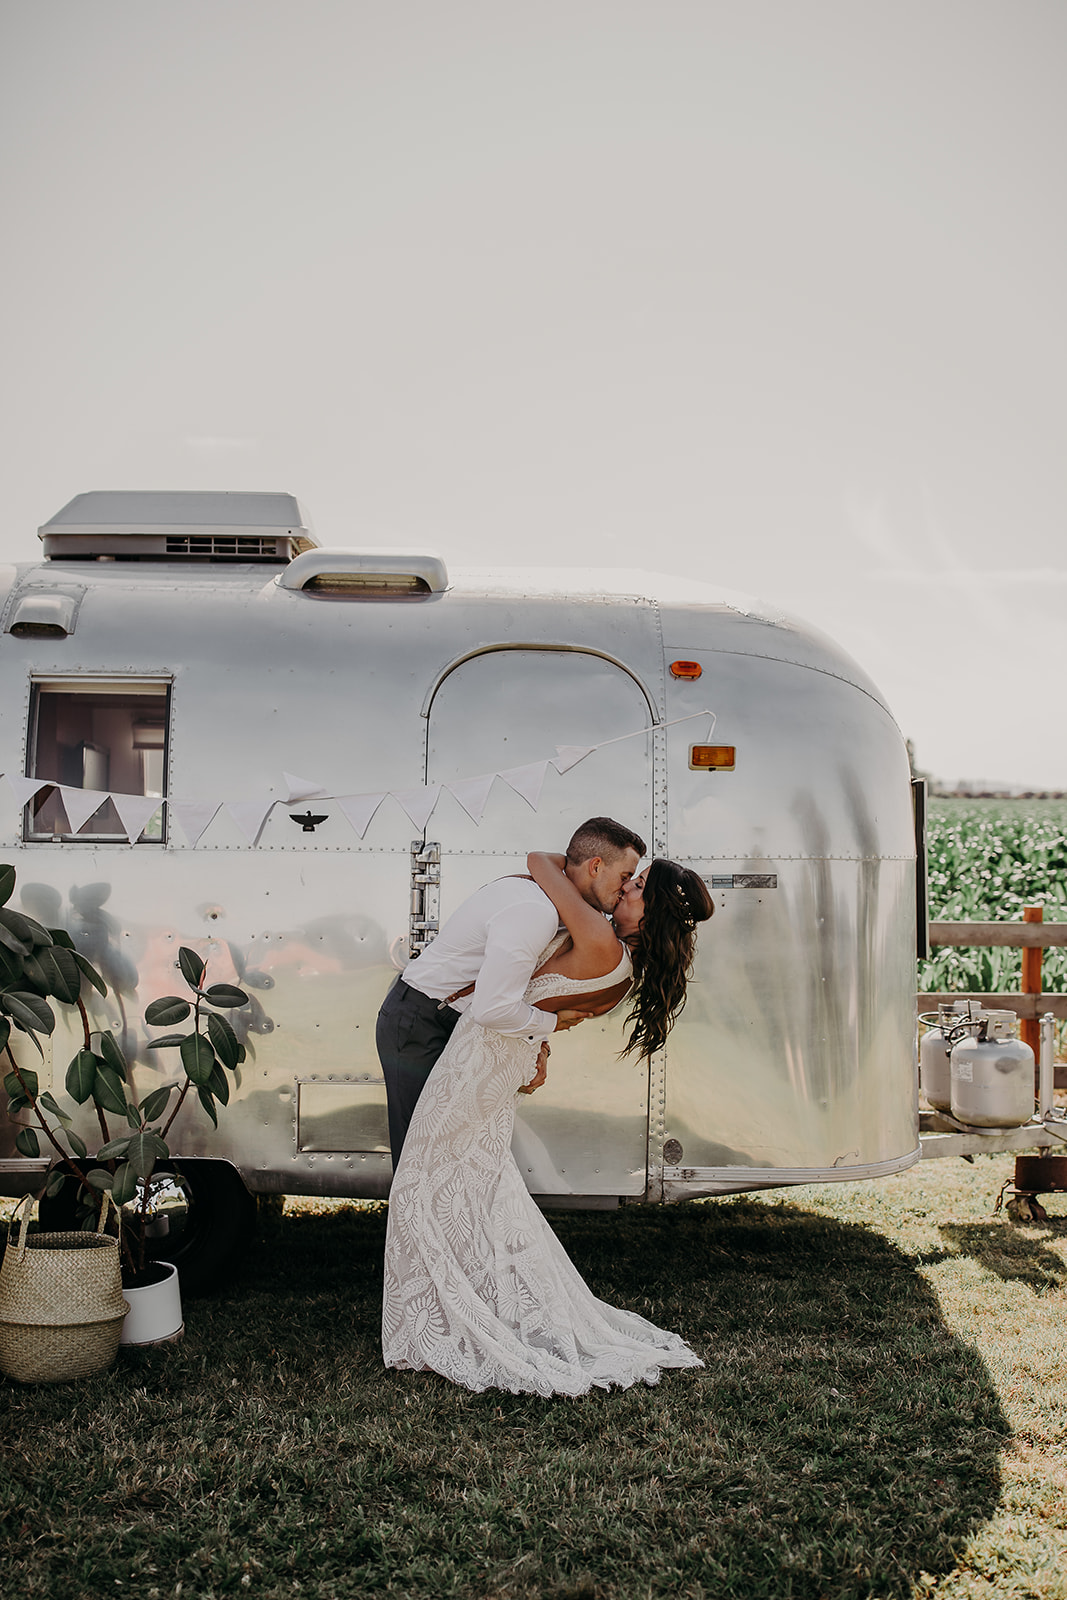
{"type": "Point", "coordinates": [477, 1286]}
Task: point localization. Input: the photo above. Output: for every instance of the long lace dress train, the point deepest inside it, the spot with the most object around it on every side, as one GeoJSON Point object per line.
{"type": "Point", "coordinates": [477, 1286]}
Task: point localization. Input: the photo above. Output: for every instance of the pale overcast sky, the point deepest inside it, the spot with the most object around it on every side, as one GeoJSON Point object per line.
{"type": "Point", "coordinates": [769, 292]}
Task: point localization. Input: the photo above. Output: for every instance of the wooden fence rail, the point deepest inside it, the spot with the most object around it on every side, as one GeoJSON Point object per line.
{"type": "Point", "coordinates": [1047, 935]}
{"type": "Point", "coordinates": [1029, 1007]}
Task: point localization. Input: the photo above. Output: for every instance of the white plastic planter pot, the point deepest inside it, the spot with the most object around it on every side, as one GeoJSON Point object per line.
{"type": "Point", "coordinates": [155, 1314]}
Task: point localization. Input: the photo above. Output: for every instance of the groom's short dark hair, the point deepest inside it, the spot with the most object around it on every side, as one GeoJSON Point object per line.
{"type": "Point", "coordinates": [602, 836]}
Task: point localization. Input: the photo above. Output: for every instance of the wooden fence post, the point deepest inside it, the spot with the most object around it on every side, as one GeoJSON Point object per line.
{"type": "Point", "coordinates": [1030, 1029]}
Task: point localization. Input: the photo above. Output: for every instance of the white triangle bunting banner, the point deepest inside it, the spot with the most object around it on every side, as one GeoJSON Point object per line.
{"type": "Point", "coordinates": [79, 804]}
{"type": "Point", "coordinates": [472, 793]}
{"type": "Point", "coordinates": [569, 755]}
{"type": "Point", "coordinates": [527, 781]}
{"type": "Point", "coordinates": [359, 809]}
{"type": "Point", "coordinates": [301, 788]}
{"type": "Point", "coordinates": [249, 815]}
{"type": "Point", "coordinates": [418, 803]}
{"type": "Point", "coordinates": [134, 812]}
{"type": "Point", "coordinates": [193, 816]}
{"type": "Point", "coordinates": [24, 789]}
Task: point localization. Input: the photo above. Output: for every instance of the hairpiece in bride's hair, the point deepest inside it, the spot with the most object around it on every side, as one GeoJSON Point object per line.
{"type": "Point", "coordinates": [689, 898]}
{"type": "Point", "coordinates": [681, 907]}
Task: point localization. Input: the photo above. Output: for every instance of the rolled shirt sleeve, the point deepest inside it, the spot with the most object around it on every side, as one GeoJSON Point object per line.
{"type": "Point", "coordinates": [516, 935]}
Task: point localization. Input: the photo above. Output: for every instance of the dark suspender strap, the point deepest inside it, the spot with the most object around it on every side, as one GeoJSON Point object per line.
{"type": "Point", "coordinates": [448, 999]}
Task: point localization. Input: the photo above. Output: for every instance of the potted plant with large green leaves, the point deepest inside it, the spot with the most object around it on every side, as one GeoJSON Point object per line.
{"type": "Point", "coordinates": [40, 966]}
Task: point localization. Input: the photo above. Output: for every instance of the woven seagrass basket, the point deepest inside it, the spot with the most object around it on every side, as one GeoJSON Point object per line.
{"type": "Point", "coordinates": [61, 1303]}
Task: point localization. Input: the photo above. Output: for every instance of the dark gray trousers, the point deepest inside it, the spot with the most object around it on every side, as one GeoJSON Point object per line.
{"type": "Point", "coordinates": [411, 1033]}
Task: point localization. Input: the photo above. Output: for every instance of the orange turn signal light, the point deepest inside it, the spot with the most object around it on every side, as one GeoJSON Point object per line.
{"type": "Point", "coordinates": [686, 669]}
{"type": "Point", "coordinates": [712, 757]}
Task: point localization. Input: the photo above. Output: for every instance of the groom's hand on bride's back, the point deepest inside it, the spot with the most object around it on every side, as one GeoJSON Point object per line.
{"type": "Point", "coordinates": [595, 1006]}
{"type": "Point", "coordinates": [567, 1019]}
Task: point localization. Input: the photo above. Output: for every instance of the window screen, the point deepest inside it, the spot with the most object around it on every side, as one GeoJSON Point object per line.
{"type": "Point", "coordinates": [106, 737]}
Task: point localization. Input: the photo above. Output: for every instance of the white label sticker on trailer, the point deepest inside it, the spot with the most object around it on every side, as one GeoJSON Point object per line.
{"type": "Point", "coordinates": [745, 880]}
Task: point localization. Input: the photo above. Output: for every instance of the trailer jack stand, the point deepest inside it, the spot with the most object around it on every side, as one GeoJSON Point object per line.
{"type": "Point", "coordinates": [1034, 1176]}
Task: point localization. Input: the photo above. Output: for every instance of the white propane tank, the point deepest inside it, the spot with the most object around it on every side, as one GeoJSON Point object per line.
{"type": "Point", "coordinates": [992, 1074]}
{"type": "Point", "coordinates": [935, 1076]}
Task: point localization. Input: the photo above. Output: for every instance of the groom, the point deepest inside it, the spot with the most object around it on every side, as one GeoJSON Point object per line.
{"type": "Point", "coordinates": [483, 958]}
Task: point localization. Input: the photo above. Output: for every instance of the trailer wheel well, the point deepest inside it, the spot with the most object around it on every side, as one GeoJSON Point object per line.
{"type": "Point", "coordinates": [207, 1223]}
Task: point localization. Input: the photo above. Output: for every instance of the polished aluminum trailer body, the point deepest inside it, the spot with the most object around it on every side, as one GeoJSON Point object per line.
{"type": "Point", "coordinates": [794, 1060]}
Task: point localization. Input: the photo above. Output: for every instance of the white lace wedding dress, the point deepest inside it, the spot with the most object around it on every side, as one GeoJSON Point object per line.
{"type": "Point", "coordinates": [477, 1286]}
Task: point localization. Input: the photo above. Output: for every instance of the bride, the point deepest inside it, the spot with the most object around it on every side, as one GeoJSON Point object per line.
{"type": "Point", "coordinates": [477, 1286]}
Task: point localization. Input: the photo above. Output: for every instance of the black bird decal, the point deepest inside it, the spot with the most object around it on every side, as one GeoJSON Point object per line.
{"type": "Point", "coordinates": [307, 820]}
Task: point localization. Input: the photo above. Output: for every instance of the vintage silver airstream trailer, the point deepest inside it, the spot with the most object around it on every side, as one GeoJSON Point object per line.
{"type": "Point", "coordinates": [348, 742]}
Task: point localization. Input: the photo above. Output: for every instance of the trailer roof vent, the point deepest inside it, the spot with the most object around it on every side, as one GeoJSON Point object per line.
{"type": "Point", "coordinates": [366, 574]}
{"type": "Point", "coordinates": [39, 613]}
{"type": "Point", "coordinates": [182, 525]}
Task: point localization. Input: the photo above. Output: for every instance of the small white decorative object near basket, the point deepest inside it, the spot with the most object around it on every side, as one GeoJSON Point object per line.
{"type": "Point", "coordinates": [155, 1314]}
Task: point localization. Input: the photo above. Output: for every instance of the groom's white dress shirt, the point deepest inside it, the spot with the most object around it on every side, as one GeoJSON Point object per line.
{"type": "Point", "coordinates": [492, 940]}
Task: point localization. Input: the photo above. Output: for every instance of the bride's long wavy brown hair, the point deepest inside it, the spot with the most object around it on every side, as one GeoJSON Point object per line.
{"type": "Point", "coordinates": [676, 899]}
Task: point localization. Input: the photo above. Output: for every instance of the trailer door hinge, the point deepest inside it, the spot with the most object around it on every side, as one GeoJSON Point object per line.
{"type": "Point", "coordinates": [425, 917]}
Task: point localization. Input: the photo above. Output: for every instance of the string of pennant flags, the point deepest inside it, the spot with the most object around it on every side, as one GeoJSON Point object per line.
{"type": "Point", "coordinates": [135, 811]}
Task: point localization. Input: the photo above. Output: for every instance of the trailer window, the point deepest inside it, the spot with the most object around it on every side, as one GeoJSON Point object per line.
{"type": "Point", "coordinates": [107, 737]}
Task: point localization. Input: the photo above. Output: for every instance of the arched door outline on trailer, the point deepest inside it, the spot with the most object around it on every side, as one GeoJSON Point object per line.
{"type": "Point", "coordinates": [563, 649]}
{"type": "Point", "coordinates": [509, 706]}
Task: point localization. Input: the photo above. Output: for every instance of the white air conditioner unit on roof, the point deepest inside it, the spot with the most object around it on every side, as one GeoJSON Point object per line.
{"type": "Point", "coordinates": [181, 524]}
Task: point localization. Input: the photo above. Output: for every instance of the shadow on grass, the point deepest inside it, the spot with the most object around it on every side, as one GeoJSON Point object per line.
{"type": "Point", "coordinates": [839, 1441]}
{"type": "Point", "coordinates": [1013, 1255]}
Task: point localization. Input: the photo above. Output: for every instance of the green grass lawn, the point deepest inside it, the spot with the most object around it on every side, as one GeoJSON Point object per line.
{"type": "Point", "coordinates": [881, 1414]}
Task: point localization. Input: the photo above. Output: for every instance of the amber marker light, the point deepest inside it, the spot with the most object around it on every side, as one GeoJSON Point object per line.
{"type": "Point", "coordinates": [712, 757]}
{"type": "Point", "coordinates": [686, 669]}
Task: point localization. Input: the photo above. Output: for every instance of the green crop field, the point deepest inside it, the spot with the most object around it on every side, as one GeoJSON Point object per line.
{"type": "Point", "coordinates": [987, 860]}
